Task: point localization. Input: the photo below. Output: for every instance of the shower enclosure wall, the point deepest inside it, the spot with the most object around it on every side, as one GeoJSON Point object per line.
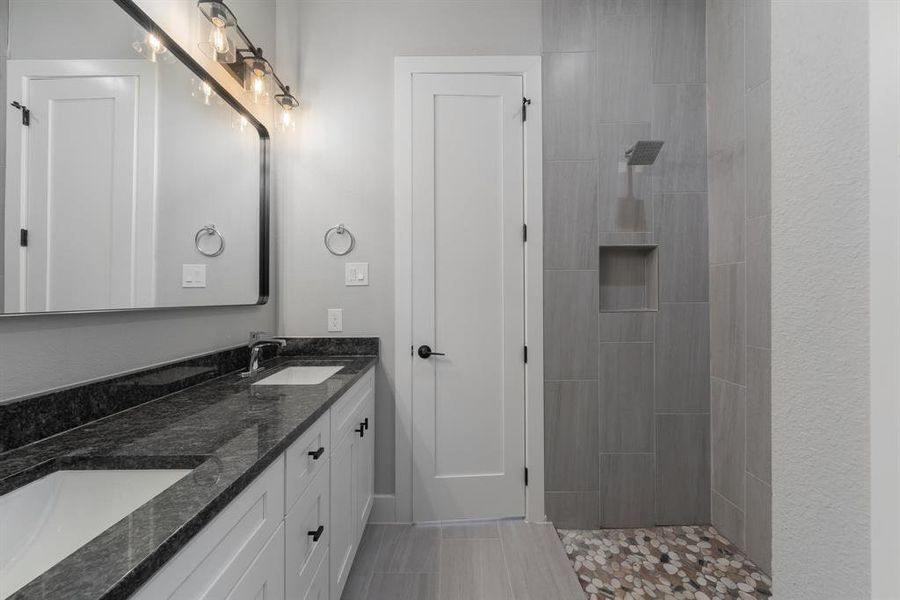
{"type": "Point", "coordinates": [657, 278]}
{"type": "Point", "coordinates": [626, 266]}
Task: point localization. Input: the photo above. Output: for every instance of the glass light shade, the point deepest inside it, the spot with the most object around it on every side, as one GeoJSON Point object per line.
{"type": "Point", "coordinates": [256, 78]}
{"type": "Point", "coordinates": [220, 43]}
{"type": "Point", "coordinates": [286, 120]}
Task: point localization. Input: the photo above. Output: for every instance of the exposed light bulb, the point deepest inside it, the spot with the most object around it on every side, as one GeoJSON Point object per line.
{"type": "Point", "coordinates": [286, 123]}
{"type": "Point", "coordinates": [258, 88]}
{"type": "Point", "coordinates": [218, 40]}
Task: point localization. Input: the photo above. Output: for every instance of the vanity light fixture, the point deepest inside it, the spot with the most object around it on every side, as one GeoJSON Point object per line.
{"type": "Point", "coordinates": [228, 44]}
{"type": "Point", "coordinates": [219, 44]}
{"type": "Point", "coordinates": [288, 103]}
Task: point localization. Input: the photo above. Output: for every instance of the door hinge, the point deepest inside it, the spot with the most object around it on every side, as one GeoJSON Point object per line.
{"type": "Point", "coordinates": [23, 237]}
{"type": "Point", "coordinates": [26, 114]}
{"type": "Point", "coordinates": [526, 475]}
{"type": "Point", "coordinates": [524, 232]}
{"type": "Point", "coordinates": [526, 354]}
{"type": "Point", "coordinates": [526, 102]}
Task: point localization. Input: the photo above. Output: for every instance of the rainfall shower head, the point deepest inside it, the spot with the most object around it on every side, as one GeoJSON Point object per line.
{"type": "Point", "coordinates": [643, 152]}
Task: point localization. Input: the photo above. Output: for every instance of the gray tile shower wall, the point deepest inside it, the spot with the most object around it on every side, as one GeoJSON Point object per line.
{"type": "Point", "coordinates": [738, 43]}
{"type": "Point", "coordinates": [623, 388]}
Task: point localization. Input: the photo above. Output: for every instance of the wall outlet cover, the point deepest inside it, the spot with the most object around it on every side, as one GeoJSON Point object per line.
{"type": "Point", "coordinates": [356, 274]}
{"type": "Point", "coordinates": [335, 319]}
{"type": "Point", "coordinates": [193, 276]}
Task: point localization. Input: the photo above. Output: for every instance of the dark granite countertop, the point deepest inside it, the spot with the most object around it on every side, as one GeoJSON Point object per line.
{"type": "Point", "coordinates": [226, 430]}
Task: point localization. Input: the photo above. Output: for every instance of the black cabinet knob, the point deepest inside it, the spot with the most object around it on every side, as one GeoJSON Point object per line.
{"type": "Point", "coordinates": [317, 454]}
{"type": "Point", "coordinates": [425, 351]}
{"type": "Point", "coordinates": [317, 533]}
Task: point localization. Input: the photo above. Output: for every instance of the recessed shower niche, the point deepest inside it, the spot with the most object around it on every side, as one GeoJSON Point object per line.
{"type": "Point", "coordinates": [629, 278]}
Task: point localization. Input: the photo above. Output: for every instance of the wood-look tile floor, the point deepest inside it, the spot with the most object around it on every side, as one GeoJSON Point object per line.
{"type": "Point", "coordinates": [492, 560]}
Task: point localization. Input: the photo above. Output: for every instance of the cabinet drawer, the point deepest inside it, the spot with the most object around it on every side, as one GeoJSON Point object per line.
{"type": "Point", "coordinates": [264, 580]}
{"type": "Point", "coordinates": [302, 552]}
{"type": "Point", "coordinates": [211, 564]}
{"type": "Point", "coordinates": [306, 458]}
{"type": "Point", "coordinates": [343, 417]}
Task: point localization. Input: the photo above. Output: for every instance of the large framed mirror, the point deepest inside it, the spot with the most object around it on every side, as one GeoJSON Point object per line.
{"type": "Point", "coordinates": [133, 179]}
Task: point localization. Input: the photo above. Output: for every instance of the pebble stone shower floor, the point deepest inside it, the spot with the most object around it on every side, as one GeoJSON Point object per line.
{"type": "Point", "coordinates": [668, 563]}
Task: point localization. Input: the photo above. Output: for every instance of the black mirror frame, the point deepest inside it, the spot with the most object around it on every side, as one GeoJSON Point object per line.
{"type": "Point", "coordinates": [187, 60]}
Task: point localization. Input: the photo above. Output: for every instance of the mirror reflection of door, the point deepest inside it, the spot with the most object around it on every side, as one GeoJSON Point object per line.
{"type": "Point", "coordinates": [84, 187]}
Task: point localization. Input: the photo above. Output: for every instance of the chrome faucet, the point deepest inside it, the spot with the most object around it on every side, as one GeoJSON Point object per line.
{"type": "Point", "coordinates": [259, 340]}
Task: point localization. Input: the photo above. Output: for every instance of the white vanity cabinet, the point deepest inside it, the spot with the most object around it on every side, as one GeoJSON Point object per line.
{"type": "Point", "coordinates": [293, 532]}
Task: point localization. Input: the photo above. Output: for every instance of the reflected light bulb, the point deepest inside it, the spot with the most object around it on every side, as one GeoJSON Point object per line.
{"type": "Point", "coordinates": [242, 124]}
{"type": "Point", "coordinates": [207, 91]}
{"type": "Point", "coordinates": [155, 46]}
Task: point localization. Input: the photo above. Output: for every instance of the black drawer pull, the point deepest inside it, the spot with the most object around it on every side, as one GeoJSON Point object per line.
{"type": "Point", "coordinates": [366, 423]}
{"type": "Point", "coordinates": [361, 431]}
{"type": "Point", "coordinates": [317, 454]}
{"type": "Point", "coordinates": [317, 533]}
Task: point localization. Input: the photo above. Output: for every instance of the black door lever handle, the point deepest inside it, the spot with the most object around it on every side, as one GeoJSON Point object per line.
{"type": "Point", "coordinates": [426, 352]}
{"type": "Point", "coordinates": [317, 533]}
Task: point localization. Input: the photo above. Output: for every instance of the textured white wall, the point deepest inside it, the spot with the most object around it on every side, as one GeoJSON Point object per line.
{"type": "Point", "coordinates": [820, 299]}
{"type": "Point", "coordinates": [39, 353]}
{"type": "Point", "coordinates": [342, 170]}
{"type": "Point", "coordinates": [884, 132]}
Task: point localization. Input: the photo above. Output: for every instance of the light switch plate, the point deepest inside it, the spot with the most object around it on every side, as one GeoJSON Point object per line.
{"type": "Point", "coordinates": [356, 274]}
{"type": "Point", "coordinates": [193, 276]}
{"type": "Point", "coordinates": [335, 319]}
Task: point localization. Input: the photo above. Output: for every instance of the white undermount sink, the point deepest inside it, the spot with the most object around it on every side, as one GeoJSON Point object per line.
{"type": "Point", "coordinates": [45, 521]}
{"type": "Point", "coordinates": [299, 376]}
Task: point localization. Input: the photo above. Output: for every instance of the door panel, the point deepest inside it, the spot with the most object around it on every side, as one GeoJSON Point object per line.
{"type": "Point", "coordinates": [81, 171]}
{"type": "Point", "coordinates": [468, 297]}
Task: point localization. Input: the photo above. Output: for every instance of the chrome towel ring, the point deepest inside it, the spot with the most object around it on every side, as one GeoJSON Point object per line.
{"type": "Point", "coordinates": [209, 230]}
{"type": "Point", "coordinates": [339, 241]}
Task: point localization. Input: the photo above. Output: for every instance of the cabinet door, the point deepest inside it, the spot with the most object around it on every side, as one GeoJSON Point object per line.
{"type": "Point", "coordinates": [264, 580]}
{"type": "Point", "coordinates": [318, 589]}
{"type": "Point", "coordinates": [365, 464]}
{"type": "Point", "coordinates": [343, 512]}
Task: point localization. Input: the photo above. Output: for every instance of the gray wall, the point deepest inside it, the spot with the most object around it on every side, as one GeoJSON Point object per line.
{"type": "Point", "coordinates": [626, 393]}
{"type": "Point", "coordinates": [39, 353]}
{"type": "Point", "coordinates": [738, 38]}
{"type": "Point", "coordinates": [341, 161]}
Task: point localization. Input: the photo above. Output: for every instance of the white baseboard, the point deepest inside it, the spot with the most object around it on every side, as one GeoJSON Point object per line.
{"type": "Point", "coordinates": [384, 509]}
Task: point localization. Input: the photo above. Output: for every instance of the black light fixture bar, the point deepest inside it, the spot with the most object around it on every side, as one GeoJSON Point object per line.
{"type": "Point", "coordinates": [255, 51]}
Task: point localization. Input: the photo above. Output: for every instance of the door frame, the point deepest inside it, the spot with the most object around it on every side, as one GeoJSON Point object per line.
{"type": "Point", "coordinates": [529, 68]}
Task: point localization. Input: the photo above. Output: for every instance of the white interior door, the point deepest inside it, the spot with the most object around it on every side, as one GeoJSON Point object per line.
{"type": "Point", "coordinates": [84, 188]}
{"type": "Point", "coordinates": [468, 406]}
